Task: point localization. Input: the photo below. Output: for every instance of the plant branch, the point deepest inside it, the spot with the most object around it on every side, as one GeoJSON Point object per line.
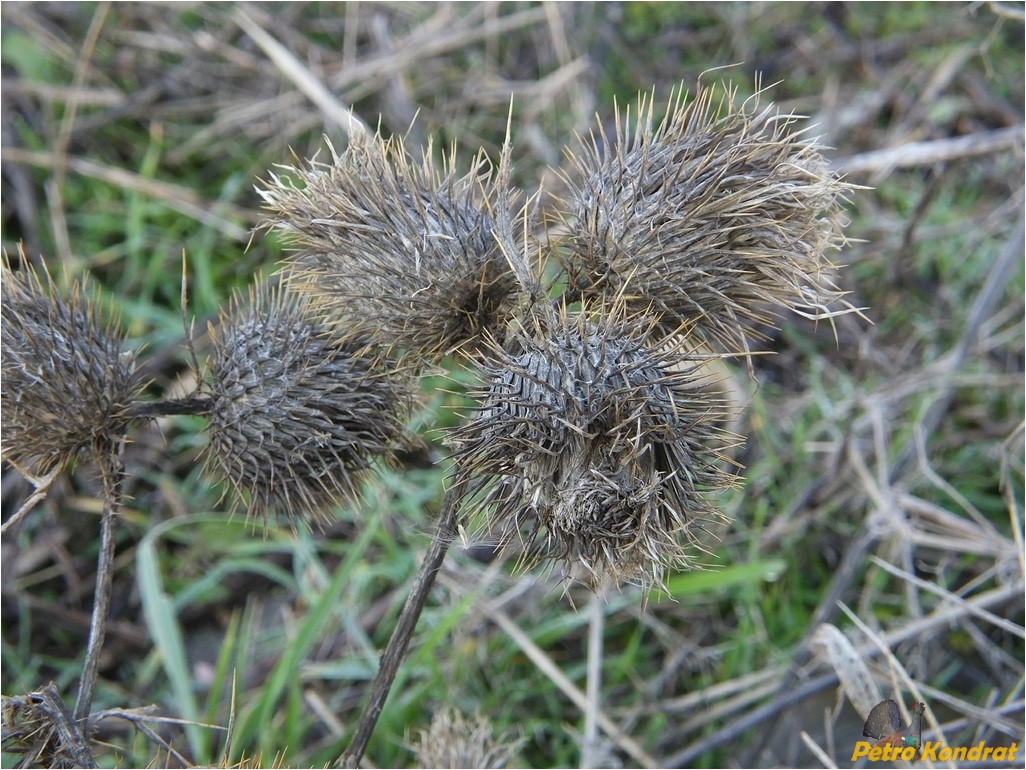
{"type": "Point", "coordinates": [189, 405]}
{"type": "Point", "coordinates": [59, 729]}
{"type": "Point", "coordinates": [394, 653]}
{"type": "Point", "coordinates": [42, 486]}
{"type": "Point", "coordinates": [591, 749]}
{"type": "Point", "coordinates": [113, 470]}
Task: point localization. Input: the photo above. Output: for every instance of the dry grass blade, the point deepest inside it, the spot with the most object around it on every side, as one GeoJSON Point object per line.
{"type": "Point", "coordinates": [989, 617]}
{"type": "Point", "coordinates": [817, 750]}
{"type": "Point", "coordinates": [186, 201]}
{"type": "Point", "coordinates": [343, 119]}
{"type": "Point", "coordinates": [899, 676]}
{"type": "Point", "coordinates": [142, 718]}
{"type": "Point", "coordinates": [41, 487]}
{"type": "Point", "coordinates": [838, 651]}
{"type": "Point", "coordinates": [881, 163]}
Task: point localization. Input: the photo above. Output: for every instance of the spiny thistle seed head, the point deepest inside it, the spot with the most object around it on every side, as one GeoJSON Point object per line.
{"type": "Point", "coordinates": [707, 217]}
{"type": "Point", "coordinates": [67, 380]}
{"type": "Point", "coordinates": [408, 254]}
{"type": "Point", "coordinates": [454, 740]}
{"type": "Point", "coordinates": [297, 415]}
{"type": "Point", "coordinates": [594, 447]}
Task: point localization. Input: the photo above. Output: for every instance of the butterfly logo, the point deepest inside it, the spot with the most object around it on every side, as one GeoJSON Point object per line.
{"type": "Point", "coordinates": [886, 726]}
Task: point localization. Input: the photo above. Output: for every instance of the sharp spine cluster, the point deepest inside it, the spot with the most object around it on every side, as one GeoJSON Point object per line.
{"type": "Point", "coordinates": [596, 438]}
{"type": "Point", "coordinates": [712, 217]}
{"type": "Point", "coordinates": [593, 447]}
{"type": "Point", "coordinates": [407, 253]}
{"type": "Point", "coordinates": [298, 414]}
{"type": "Point", "coordinates": [68, 381]}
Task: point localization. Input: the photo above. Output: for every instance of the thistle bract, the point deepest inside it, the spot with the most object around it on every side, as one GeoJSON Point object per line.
{"type": "Point", "coordinates": [455, 740]}
{"type": "Point", "coordinates": [297, 416]}
{"type": "Point", "coordinates": [67, 379]}
{"type": "Point", "coordinates": [592, 446]}
{"type": "Point", "coordinates": [407, 254]}
{"type": "Point", "coordinates": [712, 217]}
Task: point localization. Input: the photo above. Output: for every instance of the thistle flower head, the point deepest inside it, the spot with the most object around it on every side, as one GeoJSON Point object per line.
{"type": "Point", "coordinates": [707, 217]}
{"type": "Point", "coordinates": [454, 740]}
{"type": "Point", "coordinates": [297, 415]}
{"type": "Point", "coordinates": [67, 379]}
{"type": "Point", "coordinates": [408, 254]}
{"type": "Point", "coordinates": [594, 447]}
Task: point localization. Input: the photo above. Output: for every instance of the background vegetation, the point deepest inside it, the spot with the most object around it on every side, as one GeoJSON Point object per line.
{"type": "Point", "coordinates": [884, 461]}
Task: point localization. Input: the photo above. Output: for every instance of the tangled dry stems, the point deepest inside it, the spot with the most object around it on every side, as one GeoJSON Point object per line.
{"type": "Point", "coordinates": [244, 121]}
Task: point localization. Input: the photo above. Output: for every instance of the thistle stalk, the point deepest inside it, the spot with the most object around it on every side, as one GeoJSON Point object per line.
{"type": "Point", "coordinates": [394, 653]}
{"type": "Point", "coordinates": [113, 473]}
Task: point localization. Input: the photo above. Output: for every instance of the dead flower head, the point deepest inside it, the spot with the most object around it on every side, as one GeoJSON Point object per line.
{"type": "Point", "coordinates": [594, 447]}
{"type": "Point", "coordinates": [297, 415]}
{"type": "Point", "coordinates": [454, 740]}
{"type": "Point", "coordinates": [710, 217]}
{"type": "Point", "coordinates": [67, 380]}
{"type": "Point", "coordinates": [407, 254]}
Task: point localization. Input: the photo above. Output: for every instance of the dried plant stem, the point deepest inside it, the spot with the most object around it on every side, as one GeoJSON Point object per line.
{"type": "Point", "coordinates": [928, 153]}
{"type": "Point", "coordinates": [65, 736]}
{"type": "Point", "coordinates": [343, 119]}
{"type": "Point", "coordinates": [394, 653]}
{"type": "Point", "coordinates": [189, 405]}
{"type": "Point", "coordinates": [591, 750]}
{"type": "Point", "coordinates": [42, 486]}
{"type": "Point", "coordinates": [113, 470]}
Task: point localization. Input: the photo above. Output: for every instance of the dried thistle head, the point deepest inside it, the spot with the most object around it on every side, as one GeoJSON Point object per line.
{"type": "Point", "coordinates": [297, 415]}
{"type": "Point", "coordinates": [594, 447]}
{"type": "Point", "coordinates": [67, 380]}
{"type": "Point", "coordinates": [454, 740]}
{"type": "Point", "coordinates": [408, 254]}
{"type": "Point", "coordinates": [708, 217]}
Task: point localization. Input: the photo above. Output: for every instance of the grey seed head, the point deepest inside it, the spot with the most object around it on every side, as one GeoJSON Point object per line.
{"type": "Point", "coordinates": [592, 447]}
{"type": "Point", "coordinates": [455, 740]}
{"type": "Point", "coordinates": [298, 414]}
{"type": "Point", "coordinates": [67, 379]}
{"type": "Point", "coordinates": [713, 217]}
{"type": "Point", "coordinates": [408, 254]}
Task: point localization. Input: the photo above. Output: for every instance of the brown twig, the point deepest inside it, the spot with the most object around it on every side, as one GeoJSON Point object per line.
{"type": "Point", "coordinates": [113, 470]}
{"type": "Point", "coordinates": [394, 653]}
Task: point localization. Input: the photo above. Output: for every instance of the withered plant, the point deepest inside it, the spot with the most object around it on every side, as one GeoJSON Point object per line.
{"type": "Point", "coordinates": [597, 440]}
